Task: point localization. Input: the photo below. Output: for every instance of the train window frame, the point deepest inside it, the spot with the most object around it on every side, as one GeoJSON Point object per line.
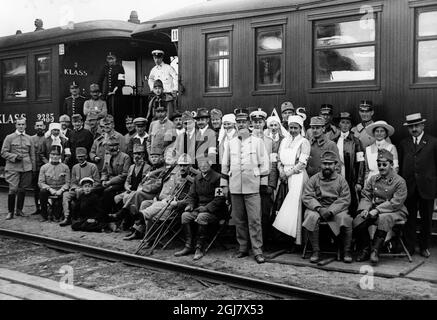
{"type": "Point", "coordinates": [213, 32]}
{"type": "Point", "coordinates": [339, 17]}
{"type": "Point", "coordinates": [26, 80]}
{"type": "Point", "coordinates": [49, 73]}
{"type": "Point", "coordinates": [417, 9]}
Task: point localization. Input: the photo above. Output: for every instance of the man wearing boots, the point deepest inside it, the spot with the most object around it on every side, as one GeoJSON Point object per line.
{"type": "Point", "coordinates": [81, 170]}
{"type": "Point", "coordinates": [38, 140]}
{"type": "Point", "coordinates": [327, 198]}
{"type": "Point", "coordinates": [54, 180]}
{"type": "Point", "coordinates": [19, 152]}
{"type": "Point", "coordinates": [382, 205]}
{"type": "Point", "coordinates": [205, 204]}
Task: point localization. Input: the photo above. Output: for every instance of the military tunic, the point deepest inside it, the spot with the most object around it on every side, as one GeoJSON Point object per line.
{"type": "Point", "coordinates": [387, 195]}
{"type": "Point", "coordinates": [317, 148]}
{"type": "Point", "coordinates": [74, 105]}
{"type": "Point", "coordinates": [160, 134]}
{"type": "Point", "coordinates": [111, 77]}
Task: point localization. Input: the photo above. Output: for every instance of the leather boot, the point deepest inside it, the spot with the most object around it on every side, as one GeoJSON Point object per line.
{"type": "Point", "coordinates": [347, 242]}
{"type": "Point", "coordinates": [65, 222]}
{"type": "Point", "coordinates": [11, 206]}
{"type": "Point", "coordinates": [378, 241]}
{"type": "Point", "coordinates": [188, 235]}
{"type": "Point", "coordinates": [20, 204]}
{"type": "Point", "coordinates": [202, 234]}
{"type": "Point", "coordinates": [363, 242]}
{"type": "Point", "coordinates": [314, 239]}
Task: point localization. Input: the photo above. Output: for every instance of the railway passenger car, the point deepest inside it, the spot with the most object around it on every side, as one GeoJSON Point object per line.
{"type": "Point", "coordinates": [261, 53]}
{"type": "Point", "coordinates": [37, 68]}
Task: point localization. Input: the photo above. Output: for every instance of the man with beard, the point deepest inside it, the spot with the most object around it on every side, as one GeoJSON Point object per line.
{"type": "Point", "coordinates": [38, 140]}
{"type": "Point", "coordinates": [79, 171]}
{"type": "Point", "coordinates": [114, 174]}
{"type": "Point", "coordinates": [245, 161]}
{"type": "Point", "coordinates": [160, 130]}
{"type": "Point", "coordinates": [382, 205]}
{"type": "Point", "coordinates": [54, 180]}
{"type": "Point", "coordinates": [80, 137]}
{"type": "Point", "coordinates": [65, 122]}
{"type": "Point", "coordinates": [327, 198]}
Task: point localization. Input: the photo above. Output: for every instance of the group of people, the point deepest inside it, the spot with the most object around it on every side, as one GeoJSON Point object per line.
{"type": "Point", "coordinates": [275, 174]}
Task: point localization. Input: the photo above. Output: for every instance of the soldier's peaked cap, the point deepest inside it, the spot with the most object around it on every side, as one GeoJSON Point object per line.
{"type": "Point", "coordinates": [76, 117]}
{"type": "Point", "coordinates": [86, 180]}
{"type": "Point", "coordinates": [384, 155]}
{"type": "Point", "coordinates": [241, 113]}
{"type": "Point", "coordinates": [328, 156]}
{"type": "Point", "coordinates": [139, 148]}
{"type": "Point", "coordinates": [140, 121]}
{"type": "Point", "coordinates": [81, 151]}
{"type": "Point", "coordinates": [326, 108]}
{"type": "Point", "coordinates": [366, 105]}
{"type": "Point", "coordinates": [157, 53]}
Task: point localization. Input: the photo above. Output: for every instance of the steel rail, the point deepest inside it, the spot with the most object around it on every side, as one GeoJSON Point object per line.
{"type": "Point", "coordinates": [213, 276]}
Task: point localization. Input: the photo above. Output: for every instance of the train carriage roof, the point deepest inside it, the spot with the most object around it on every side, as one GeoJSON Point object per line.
{"type": "Point", "coordinates": [219, 10]}
{"type": "Point", "coordinates": [82, 31]}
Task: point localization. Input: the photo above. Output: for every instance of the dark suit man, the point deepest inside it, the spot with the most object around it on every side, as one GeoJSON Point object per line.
{"type": "Point", "coordinates": [418, 163]}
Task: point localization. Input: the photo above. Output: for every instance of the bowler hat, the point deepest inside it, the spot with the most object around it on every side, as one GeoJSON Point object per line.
{"type": "Point", "coordinates": [414, 118]}
{"type": "Point", "coordinates": [202, 113]}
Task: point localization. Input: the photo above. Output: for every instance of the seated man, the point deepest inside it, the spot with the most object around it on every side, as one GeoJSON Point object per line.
{"type": "Point", "coordinates": [327, 197]}
{"type": "Point", "coordinates": [205, 204]}
{"type": "Point", "coordinates": [382, 205]}
{"type": "Point", "coordinates": [79, 171]}
{"type": "Point", "coordinates": [88, 214]}
{"type": "Point", "coordinates": [152, 209]}
{"type": "Point", "coordinates": [114, 174]}
{"type": "Point", "coordinates": [53, 181]}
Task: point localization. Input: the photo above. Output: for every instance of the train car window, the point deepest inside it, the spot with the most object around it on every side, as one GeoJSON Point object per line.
{"type": "Point", "coordinates": [426, 46]}
{"type": "Point", "coordinates": [43, 76]}
{"type": "Point", "coordinates": [345, 50]}
{"type": "Point", "coordinates": [269, 58]}
{"type": "Point", "coordinates": [218, 62]}
{"type": "Point", "coordinates": [14, 78]}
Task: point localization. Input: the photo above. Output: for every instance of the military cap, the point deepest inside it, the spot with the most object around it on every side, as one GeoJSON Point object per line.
{"type": "Point", "coordinates": [414, 118]}
{"type": "Point", "coordinates": [186, 116]}
{"type": "Point", "coordinates": [129, 119]}
{"type": "Point", "coordinates": [55, 148]}
{"type": "Point", "coordinates": [92, 116]}
{"type": "Point", "coordinates": [216, 113]}
{"type": "Point", "coordinates": [366, 105]}
{"type": "Point", "coordinates": [76, 117]}
{"type": "Point", "coordinates": [157, 53]}
{"type": "Point", "coordinates": [202, 113]}
{"type": "Point", "coordinates": [175, 115]}
{"type": "Point", "coordinates": [139, 148]}
{"type": "Point", "coordinates": [258, 114]}
{"type": "Point", "coordinates": [94, 87]}
{"type": "Point", "coordinates": [141, 122]}
{"type": "Point", "coordinates": [345, 116]}
{"type": "Point", "coordinates": [113, 142]}
{"type": "Point", "coordinates": [317, 121]}
{"type": "Point", "coordinates": [287, 105]}
{"type": "Point", "coordinates": [326, 108]}
{"type": "Point", "coordinates": [64, 118]}
{"type": "Point", "coordinates": [158, 83]}
{"type": "Point", "coordinates": [86, 180]}
{"type": "Point", "coordinates": [184, 159]}
{"type": "Point", "coordinates": [156, 151]}
{"type": "Point", "coordinates": [241, 113]}
{"type": "Point", "coordinates": [81, 151]}
{"type": "Point", "coordinates": [328, 156]}
{"type": "Point", "coordinates": [74, 85]}
{"type": "Point", "coordinates": [108, 119]}
{"type": "Point", "coordinates": [385, 155]}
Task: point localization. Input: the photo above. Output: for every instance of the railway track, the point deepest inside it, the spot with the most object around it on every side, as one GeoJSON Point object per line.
{"type": "Point", "coordinates": [209, 280]}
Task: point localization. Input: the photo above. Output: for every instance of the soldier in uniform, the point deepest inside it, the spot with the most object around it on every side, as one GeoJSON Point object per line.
{"type": "Point", "coordinates": [112, 77]}
{"type": "Point", "coordinates": [54, 180]}
{"type": "Point", "coordinates": [382, 205]}
{"type": "Point", "coordinates": [160, 130]}
{"type": "Point", "coordinates": [245, 161]}
{"type": "Point", "coordinates": [95, 104]}
{"type": "Point", "coordinates": [319, 144]}
{"type": "Point", "coordinates": [168, 76]}
{"type": "Point", "coordinates": [327, 198]}
{"type": "Point", "coordinates": [141, 137]}
{"type": "Point", "coordinates": [38, 140]}
{"type": "Point", "coordinates": [92, 124]}
{"type": "Point", "coordinates": [74, 103]}
{"type": "Point", "coordinates": [331, 131]}
{"type": "Point", "coordinates": [114, 174]}
{"type": "Point", "coordinates": [80, 137]}
{"type": "Point", "coordinates": [205, 205]}
{"type": "Point", "coordinates": [287, 109]}
{"type": "Point", "coordinates": [19, 152]}
{"type": "Point", "coordinates": [110, 133]}
{"type": "Point", "coordinates": [79, 171]}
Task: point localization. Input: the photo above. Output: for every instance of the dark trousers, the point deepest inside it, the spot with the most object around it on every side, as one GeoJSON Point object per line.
{"type": "Point", "coordinates": [108, 197]}
{"type": "Point", "coordinates": [36, 189]}
{"type": "Point", "coordinates": [266, 209]}
{"type": "Point", "coordinates": [413, 203]}
{"type": "Point", "coordinates": [57, 204]}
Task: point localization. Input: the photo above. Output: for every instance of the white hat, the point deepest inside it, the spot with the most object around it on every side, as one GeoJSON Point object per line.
{"type": "Point", "coordinates": [414, 118]}
{"type": "Point", "coordinates": [54, 125]}
{"type": "Point", "coordinates": [230, 117]}
{"type": "Point", "coordinates": [295, 119]}
{"type": "Point", "coordinates": [371, 128]}
{"type": "Point", "coordinates": [273, 119]}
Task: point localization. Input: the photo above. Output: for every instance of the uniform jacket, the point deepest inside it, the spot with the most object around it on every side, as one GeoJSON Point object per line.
{"type": "Point", "coordinates": [96, 106]}
{"type": "Point", "coordinates": [98, 149]}
{"type": "Point", "coordinates": [331, 132]}
{"type": "Point", "coordinates": [384, 194]}
{"type": "Point", "coordinates": [317, 148]}
{"type": "Point", "coordinates": [81, 138]}
{"type": "Point", "coordinates": [353, 155]}
{"type": "Point", "coordinates": [419, 166]}
{"type": "Point", "coordinates": [79, 172]}
{"type": "Point", "coordinates": [116, 170]}
{"type": "Point", "coordinates": [171, 181]}
{"type": "Point", "coordinates": [244, 163]}
{"type": "Point", "coordinates": [19, 144]}
{"type": "Point", "coordinates": [111, 77]}
{"type": "Point", "coordinates": [44, 154]}
{"type": "Point", "coordinates": [38, 142]}
{"type": "Point", "coordinates": [128, 183]}
{"type": "Point", "coordinates": [272, 149]}
{"type": "Point", "coordinates": [137, 141]}
{"type": "Point", "coordinates": [73, 105]}
{"type": "Point", "coordinates": [166, 74]}
{"type": "Point", "coordinates": [54, 176]}
{"type": "Point", "coordinates": [206, 192]}
{"type": "Point", "coordinates": [160, 134]}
